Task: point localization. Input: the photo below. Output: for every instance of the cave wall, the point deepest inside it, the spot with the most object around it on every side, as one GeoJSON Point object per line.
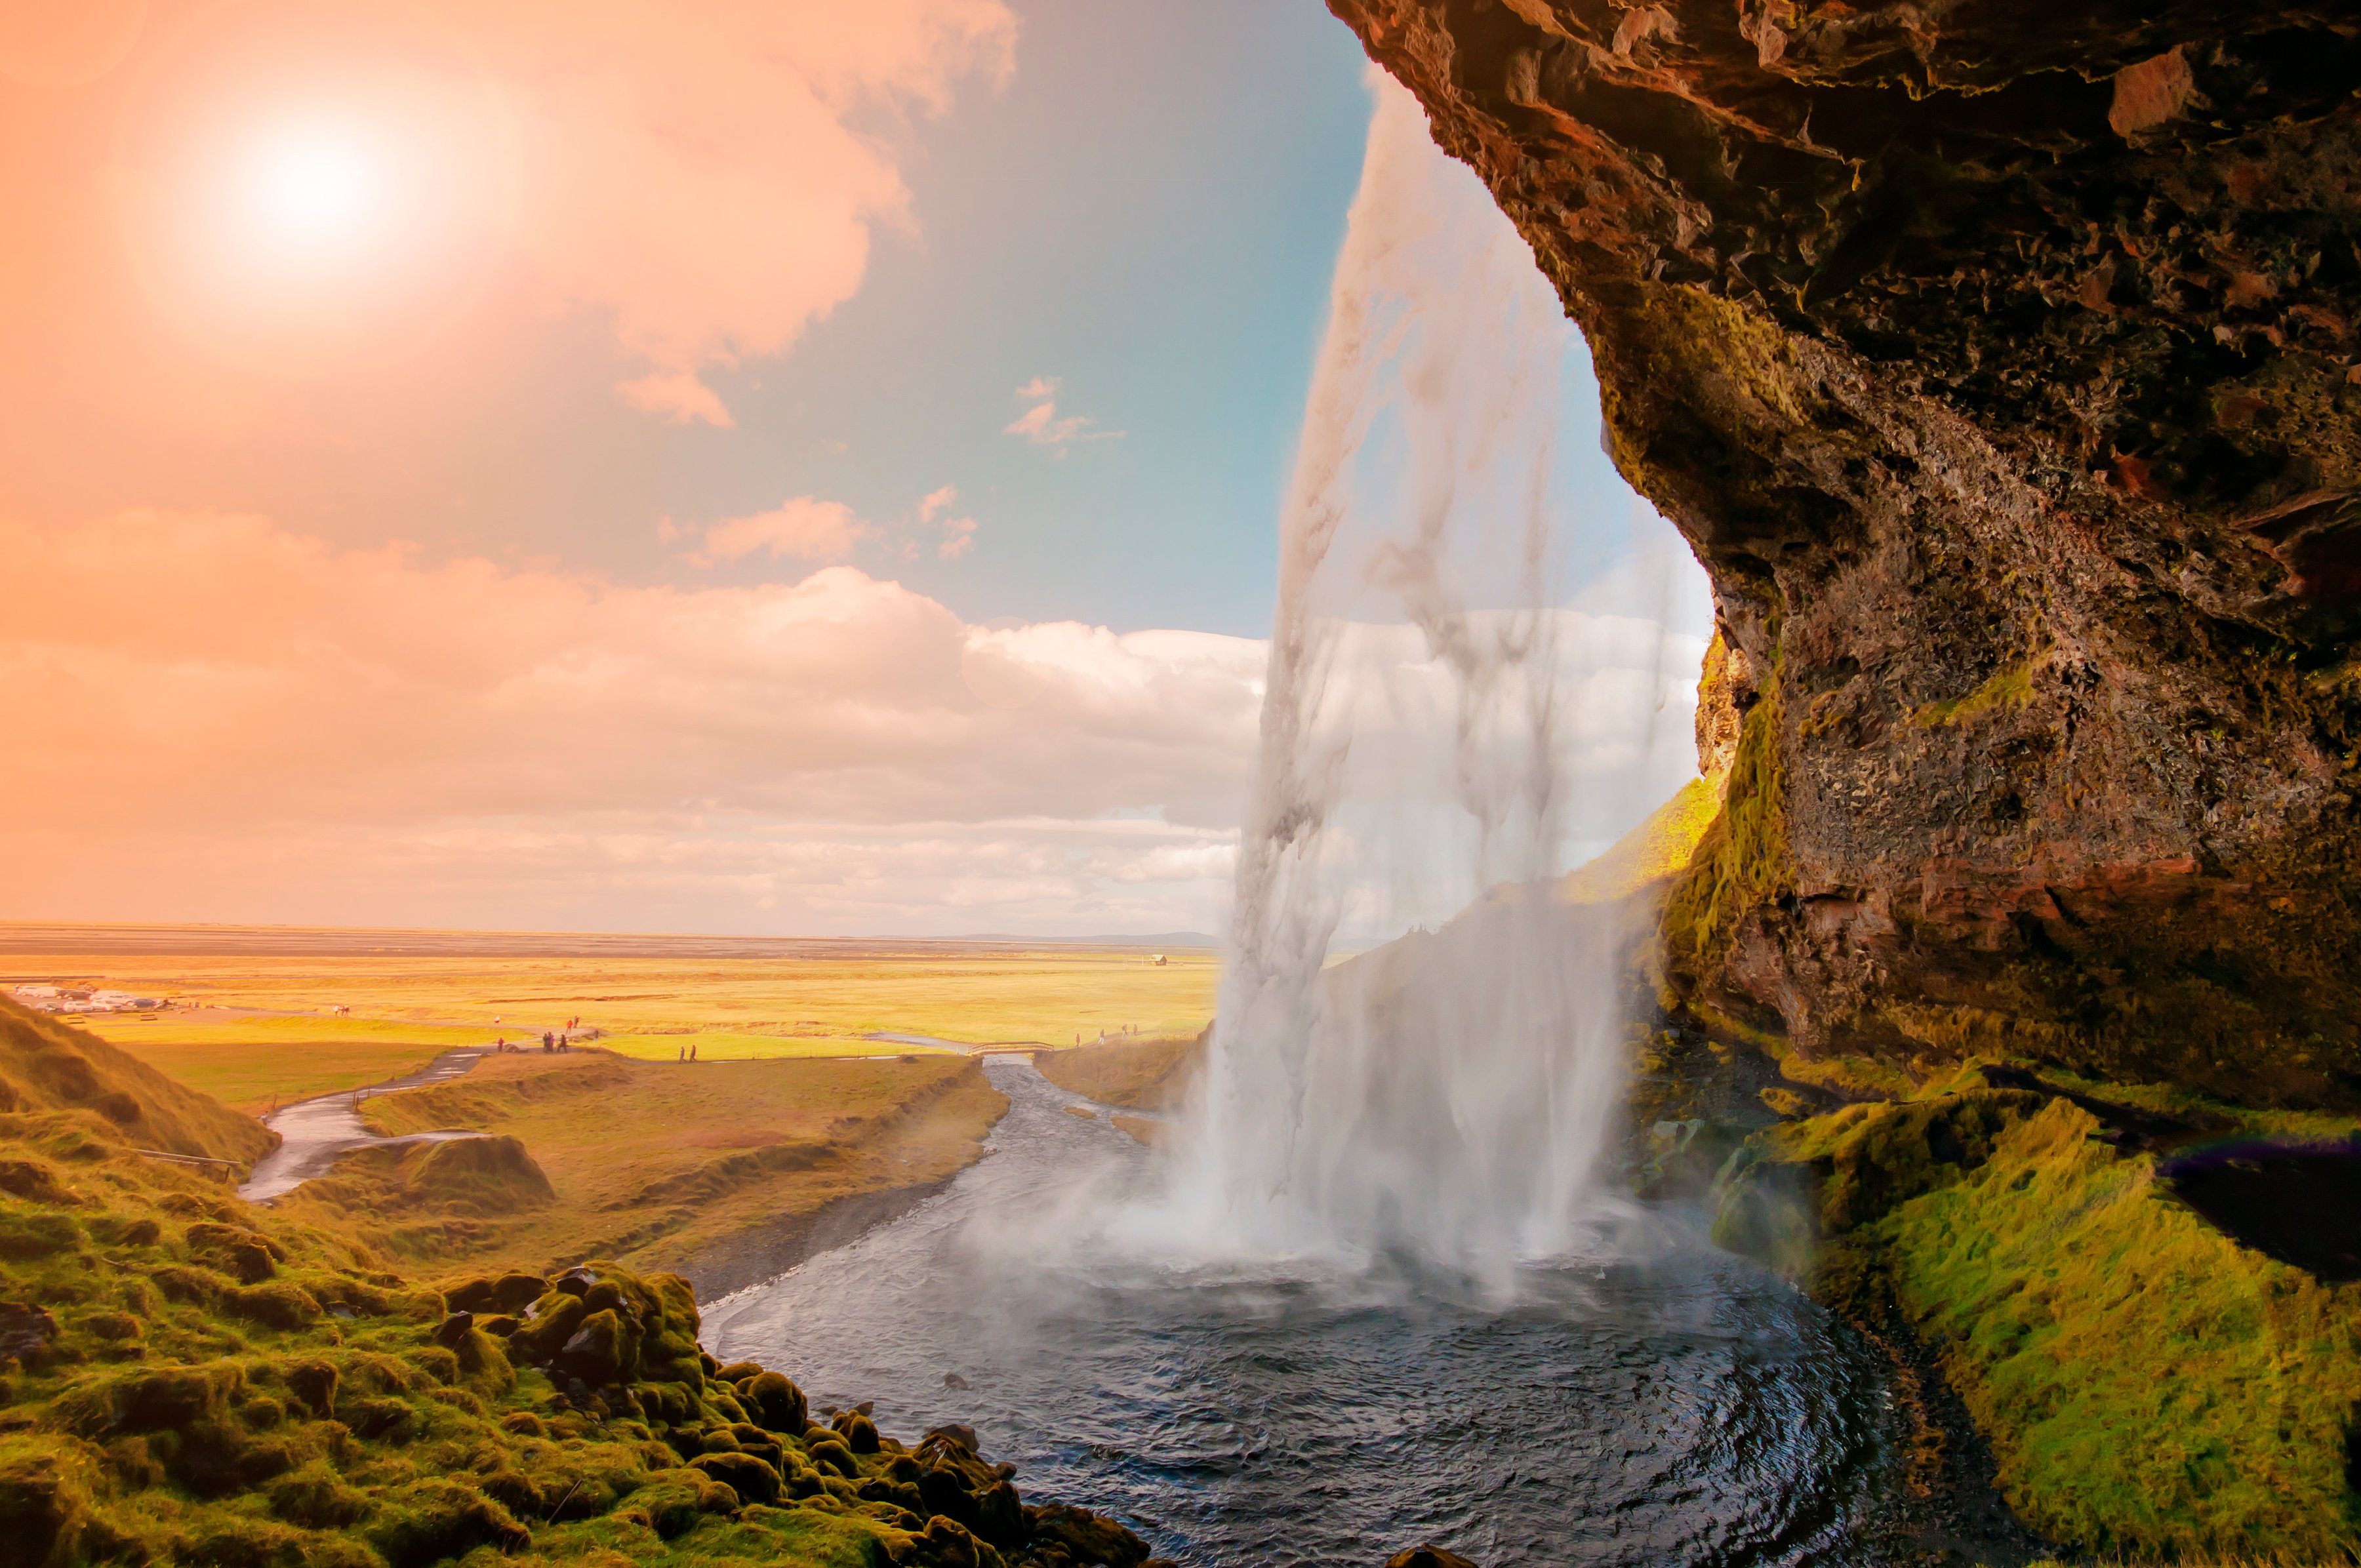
{"type": "Point", "coordinates": [1998, 360]}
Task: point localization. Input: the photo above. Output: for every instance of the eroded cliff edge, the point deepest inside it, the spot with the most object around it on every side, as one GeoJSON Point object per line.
{"type": "Point", "coordinates": [1999, 361]}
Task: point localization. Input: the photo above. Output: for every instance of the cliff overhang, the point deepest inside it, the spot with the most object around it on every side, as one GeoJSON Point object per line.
{"type": "Point", "coordinates": [1999, 361]}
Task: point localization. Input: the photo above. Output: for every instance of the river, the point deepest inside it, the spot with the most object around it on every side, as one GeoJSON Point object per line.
{"type": "Point", "coordinates": [1671, 1406]}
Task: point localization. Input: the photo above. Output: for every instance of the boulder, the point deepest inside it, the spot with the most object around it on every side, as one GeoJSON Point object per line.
{"type": "Point", "coordinates": [1085, 1536]}
{"type": "Point", "coordinates": [775, 1403]}
{"type": "Point", "coordinates": [753, 1479]}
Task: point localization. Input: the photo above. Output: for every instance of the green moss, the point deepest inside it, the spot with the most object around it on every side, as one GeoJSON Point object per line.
{"type": "Point", "coordinates": [2147, 1385]}
{"type": "Point", "coordinates": [2010, 687]}
{"type": "Point", "coordinates": [1741, 861]}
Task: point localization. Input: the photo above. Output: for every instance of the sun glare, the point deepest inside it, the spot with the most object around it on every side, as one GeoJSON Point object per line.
{"type": "Point", "coordinates": [316, 187]}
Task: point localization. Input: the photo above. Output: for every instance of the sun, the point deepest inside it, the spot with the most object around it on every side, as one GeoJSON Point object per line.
{"type": "Point", "coordinates": [316, 187]}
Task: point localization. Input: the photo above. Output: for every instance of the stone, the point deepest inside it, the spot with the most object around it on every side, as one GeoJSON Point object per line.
{"type": "Point", "coordinates": [1089, 1537]}
{"type": "Point", "coordinates": [1427, 1556]}
{"type": "Point", "coordinates": [775, 1403]}
{"type": "Point", "coordinates": [859, 1431]}
{"type": "Point", "coordinates": [598, 1353]}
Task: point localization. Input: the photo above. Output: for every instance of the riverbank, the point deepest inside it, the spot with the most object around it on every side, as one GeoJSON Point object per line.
{"type": "Point", "coordinates": [315, 1133]}
{"type": "Point", "coordinates": [714, 1169]}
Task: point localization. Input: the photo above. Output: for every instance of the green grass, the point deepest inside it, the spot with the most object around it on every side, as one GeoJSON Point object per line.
{"type": "Point", "coordinates": [720, 1044]}
{"type": "Point", "coordinates": [1659, 848]}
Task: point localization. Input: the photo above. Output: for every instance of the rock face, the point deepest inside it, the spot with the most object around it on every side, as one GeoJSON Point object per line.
{"type": "Point", "coordinates": [1999, 359]}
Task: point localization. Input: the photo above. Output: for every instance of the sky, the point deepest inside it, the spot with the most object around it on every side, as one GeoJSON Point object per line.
{"type": "Point", "coordinates": [715, 465]}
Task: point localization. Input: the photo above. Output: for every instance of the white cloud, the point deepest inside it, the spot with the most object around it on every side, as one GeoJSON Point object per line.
{"type": "Point", "coordinates": [234, 721]}
{"type": "Point", "coordinates": [802, 527]}
{"type": "Point", "coordinates": [1042, 424]}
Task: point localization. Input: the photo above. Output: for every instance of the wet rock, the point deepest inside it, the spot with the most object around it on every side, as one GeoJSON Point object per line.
{"type": "Point", "coordinates": [859, 1431]}
{"type": "Point", "coordinates": [1427, 1556]}
{"type": "Point", "coordinates": [1085, 1536]}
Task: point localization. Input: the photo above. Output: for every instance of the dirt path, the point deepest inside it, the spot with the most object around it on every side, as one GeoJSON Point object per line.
{"type": "Point", "coordinates": [313, 1131]}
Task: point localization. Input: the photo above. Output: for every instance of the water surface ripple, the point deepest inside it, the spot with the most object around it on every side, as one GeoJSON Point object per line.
{"type": "Point", "coordinates": [1680, 1409]}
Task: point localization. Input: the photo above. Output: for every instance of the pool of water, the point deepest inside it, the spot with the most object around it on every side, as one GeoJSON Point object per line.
{"type": "Point", "coordinates": [1667, 1404]}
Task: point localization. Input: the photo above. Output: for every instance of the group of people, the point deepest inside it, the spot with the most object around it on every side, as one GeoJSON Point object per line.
{"type": "Point", "coordinates": [553, 1041]}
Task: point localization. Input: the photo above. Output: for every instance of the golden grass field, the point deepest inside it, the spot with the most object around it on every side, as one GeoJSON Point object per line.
{"type": "Point", "coordinates": [251, 1030]}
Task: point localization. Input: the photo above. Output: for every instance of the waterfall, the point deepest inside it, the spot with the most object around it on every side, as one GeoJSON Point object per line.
{"type": "Point", "coordinates": [1449, 1095]}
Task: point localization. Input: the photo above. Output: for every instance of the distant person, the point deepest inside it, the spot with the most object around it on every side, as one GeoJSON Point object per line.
{"type": "Point", "coordinates": [684, 1053]}
{"type": "Point", "coordinates": [692, 1053]}
{"type": "Point", "coordinates": [548, 1043]}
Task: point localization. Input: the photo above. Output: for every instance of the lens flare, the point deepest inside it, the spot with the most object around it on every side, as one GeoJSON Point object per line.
{"type": "Point", "coordinates": [316, 187]}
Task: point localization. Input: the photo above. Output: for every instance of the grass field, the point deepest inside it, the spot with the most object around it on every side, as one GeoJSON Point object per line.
{"type": "Point", "coordinates": [254, 1064]}
{"type": "Point", "coordinates": [251, 1030]}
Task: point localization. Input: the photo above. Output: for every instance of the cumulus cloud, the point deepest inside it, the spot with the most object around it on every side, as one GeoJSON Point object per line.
{"type": "Point", "coordinates": [221, 718]}
{"type": "Point", "coordinates": [802, 527]}
{"type": "Point", "coordinates": [708, 173]}
{"type": "Point", "coordinates": [1042, 424]}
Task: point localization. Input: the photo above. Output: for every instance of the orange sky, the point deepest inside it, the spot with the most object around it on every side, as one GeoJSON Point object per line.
{"type": "Point", "coordinates": [400, 262]}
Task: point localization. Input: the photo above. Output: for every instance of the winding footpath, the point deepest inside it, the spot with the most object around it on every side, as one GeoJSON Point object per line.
{"type": "Point", "coordinates": [312, 1133]}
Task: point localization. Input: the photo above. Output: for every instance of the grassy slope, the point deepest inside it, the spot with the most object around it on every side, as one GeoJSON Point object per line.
{"type": "Point", "coordinates": [203, 1381]}
{"type": "Point", "coordinates": [1659, 848]}
{"type": "Point", "coordinates": [2148, 1386]}
{"type": "Point", "coordinates": [652, 1161]}
{"type": "Point", "coordinates": [47, 1064]}
{"type": "Point", "coordinates": [1151, 1074]}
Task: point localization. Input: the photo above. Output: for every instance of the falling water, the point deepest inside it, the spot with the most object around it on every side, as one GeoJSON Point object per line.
{"type": "Point", "coordinates": [1449, 1096]}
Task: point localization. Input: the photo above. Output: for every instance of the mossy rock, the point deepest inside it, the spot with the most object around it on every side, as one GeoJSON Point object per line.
{"type": "Point", "coordinates": [45, 1498]}
{"type": "Point", "coordinates": [276, 1304]}
{"type": "Point", "coordinates": [1789, 1188]}
{"type": "Point", "coordinates": [755, 1480]}
{"type": "Point", "coordinates": [775, 1403]}
{"type": "Point", "coordinates": [430, 1520]}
